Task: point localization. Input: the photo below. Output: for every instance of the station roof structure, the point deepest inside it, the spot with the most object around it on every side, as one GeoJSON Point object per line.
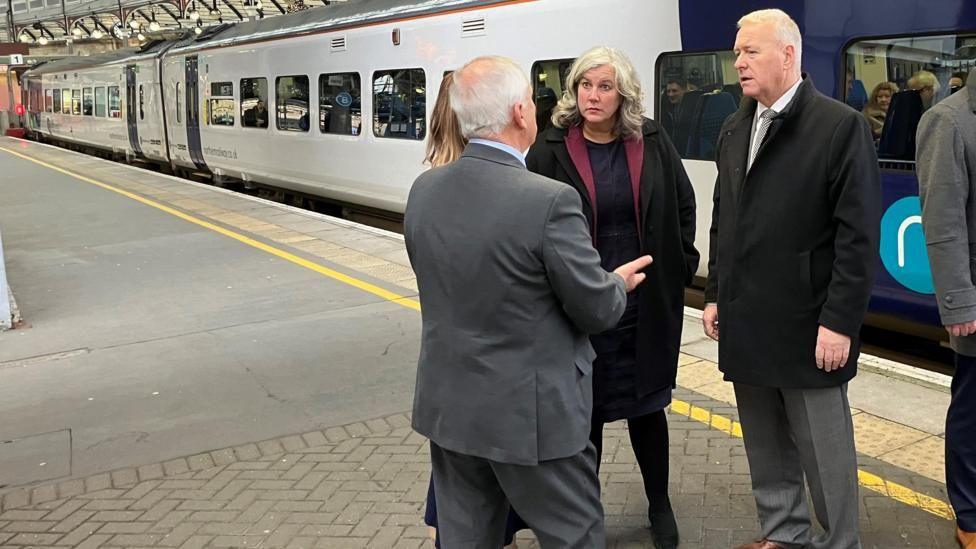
{"type": "Point", "coordinates": [111, 24]}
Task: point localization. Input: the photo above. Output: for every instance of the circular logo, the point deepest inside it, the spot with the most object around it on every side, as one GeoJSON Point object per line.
{"type": "Point", "coordinates": [903, 246]}
{"type": "Point", "coordinates": [344, 99]}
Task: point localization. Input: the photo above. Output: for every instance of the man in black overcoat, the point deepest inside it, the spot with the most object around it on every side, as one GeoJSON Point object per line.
{"type": "Point", "coordinates": [794, 240]}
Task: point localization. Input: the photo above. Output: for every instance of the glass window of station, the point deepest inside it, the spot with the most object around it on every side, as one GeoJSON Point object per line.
{"type": "Point", "coordinates": [340, 102]}
{"type": "Point", "coordinates": [88, 102]}
{"type": "Point", "coordinates": [696, 93]}
{"type": "Point", "coordinates": [548, 80]}
{"type": "Point", "coordinates": [100, 105]}
{"type": "Point", "coordinates": [400, 104]}
{"type": "Point", "coordinates": [254, 102]}
{"type": "Point", "coordinates": [892, 81]}
{"type": "Point", "coordinates": [114, 102]}
{"type": "Point", "coordinates": [292, 103]}
{"type": "Point", "coordinates": [222, 109]}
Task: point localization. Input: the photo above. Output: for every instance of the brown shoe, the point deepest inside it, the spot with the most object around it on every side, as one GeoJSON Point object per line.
{"type": "Point", "coordinates": [765, 544]}
{"type": "Point", "coordinates": [967, 540]}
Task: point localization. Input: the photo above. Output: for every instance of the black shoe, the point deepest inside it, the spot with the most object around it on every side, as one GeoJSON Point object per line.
{"type": "Point", "coordinates": [664, 529]}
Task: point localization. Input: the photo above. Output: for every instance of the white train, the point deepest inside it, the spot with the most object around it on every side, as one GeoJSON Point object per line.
{"type": "Point", "coordinates": [334, 102]}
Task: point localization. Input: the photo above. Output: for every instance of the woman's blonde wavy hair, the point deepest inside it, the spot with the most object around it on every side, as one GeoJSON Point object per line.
{"type": "Point", "coordinates": [630, 115]}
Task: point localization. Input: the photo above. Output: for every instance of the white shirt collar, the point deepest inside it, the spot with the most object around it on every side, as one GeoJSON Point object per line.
{"type": "Point", "coordinates": [780, 103]}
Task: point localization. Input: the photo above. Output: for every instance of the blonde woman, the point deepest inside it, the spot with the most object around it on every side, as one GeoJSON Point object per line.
{"type": "Point", "coordinates": [445, 146]}
{"type": "Point", "coordinates": [877, 108]}
{"type": "Point", "coordinates": [637, 200]}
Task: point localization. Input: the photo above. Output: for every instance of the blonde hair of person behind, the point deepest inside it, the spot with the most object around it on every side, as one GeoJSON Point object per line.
{"type": "Point", "coordinates": [923, 79]}
{"type": "Point", "coordinates": [630, 115]}
{"type": "Point", "coordinates": [445, 144]}
{"type": "Point", "coordinates": [787, 31]}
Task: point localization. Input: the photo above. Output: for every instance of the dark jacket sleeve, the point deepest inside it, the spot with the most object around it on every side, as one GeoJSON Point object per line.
{"type": "Point", "coordinates": [711, 282]}
{"type": "Point", "coordinates": [686, 208]}
{"type": "Point", "coordinates": [592, 298]}
{"type": "Point", "coordinates": [855, 191]}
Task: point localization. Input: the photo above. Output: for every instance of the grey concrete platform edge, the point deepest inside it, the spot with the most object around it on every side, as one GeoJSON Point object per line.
{"type": "Point", "coordinates": [126, 477]}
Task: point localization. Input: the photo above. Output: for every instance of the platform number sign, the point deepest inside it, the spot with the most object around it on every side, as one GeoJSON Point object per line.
{"type": "Point", "coordinates": [903, 252]}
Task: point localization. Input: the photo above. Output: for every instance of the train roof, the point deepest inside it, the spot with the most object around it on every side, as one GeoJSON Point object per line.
{"type": "Point", "coordinates": [329, 18]}
{"type": "Point", "coordinates": [125, 55]}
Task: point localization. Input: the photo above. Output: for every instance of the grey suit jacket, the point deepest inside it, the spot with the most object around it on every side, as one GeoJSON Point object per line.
{"type": "Point", "coordinates": [510, 286]}
{"type": "Point", "coordinates": [946, 163]}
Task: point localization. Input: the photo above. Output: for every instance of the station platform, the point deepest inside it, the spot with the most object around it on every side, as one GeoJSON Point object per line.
{"type": "Point", "coordinates": [200, 368]}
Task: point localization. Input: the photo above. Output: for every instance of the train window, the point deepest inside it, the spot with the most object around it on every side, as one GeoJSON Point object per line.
{"type": "Point", "coordinates": [142, 103]}
{"type": "Point", "coordinates": [696, 93]}
{"type": "Point", "coordinates": [340, 101]}
{"type": "Point", "coordinates": [400, 103]}
{"type": "Point", "coordinates": [222, 109]}
{"type": "Point", "coordinates": [48, 101]}
{"type": "Point", "coordinates": [100, 102]}
{"type": "Point", "coordinates": [179, 102]}
{"type": "Point", "coordinates": [76, 102]}
{"type": "Point", "coordinates": [894, 80]}
{"type": "Point", "coordinates": [56, 100]}
{"type": "Point", "coordinates": [88, 102]}
{"type": "Point", "coordinates": [65, 101]}
{"type": "Point", "coordinates": [548, 79]}
{"type": "Point", "coordinates": [254, 102]}
{"type": "Point", "coordinates": [114, 102]}
{"type": "Point", "coordinates": [292, 103]}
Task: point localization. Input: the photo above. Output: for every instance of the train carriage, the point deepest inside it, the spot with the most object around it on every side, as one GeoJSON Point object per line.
{"type": "Point", "coordinates": [347, 90]}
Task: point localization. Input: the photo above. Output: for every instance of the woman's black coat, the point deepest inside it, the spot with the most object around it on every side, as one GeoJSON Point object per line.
{"type": "Point", "coordinates": [667, 211]}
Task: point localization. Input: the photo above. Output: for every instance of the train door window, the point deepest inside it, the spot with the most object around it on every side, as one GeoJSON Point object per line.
{"type": "Point", "coordinates": [340, 101]}
{"type": "Point", "coordinates": [254, 102]}
{"type": "Point", "coordinates": [100, 102]}
{"type": "Point", "coordinates": [400, 103]}
{"type": "Point", "coordinates": [548, 79]}
{"type": "Point", "coordinates": [88, 102]}
{"type": "Point", "coordinates": [56, 100]}
{"type": "Point", "coordinates": [65, 101]}
{"type": "Point", "coordinates": [48, 100]}
{"type": "Point", "coordinates": [76, 102]}
{"type": "Point", "coordinates": [179, 102]}
{"type": "Point", "coordinates": [114, 102]}
{"type": "Point", "coordinates": [894, 80]}
{"type": "Point", "coordinates": [142, 103]}
{"type": "Point", "coordinates": [292, 103]}
{"type": "Point", "coordinates": [696, 92]}
{"type": "Point", "coordinates": [222, 108]}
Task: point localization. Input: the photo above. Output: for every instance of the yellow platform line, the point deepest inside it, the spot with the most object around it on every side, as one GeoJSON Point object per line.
{"type": "Point", "coordinates": [321, 269]}
{"type": "Point", "coordinates": [874, 483]}
{"type": "Point", "coordinates": [867, 480]}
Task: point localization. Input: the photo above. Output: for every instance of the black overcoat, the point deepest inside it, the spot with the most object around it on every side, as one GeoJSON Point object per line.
{"type": "Point", "coordinates": [667, 213]}
{"type": "Point", "coordinates": [794, 243]}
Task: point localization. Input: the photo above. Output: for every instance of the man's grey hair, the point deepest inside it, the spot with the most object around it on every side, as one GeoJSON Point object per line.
{"type": "Point", "coordinates": [787, 31]}
{"type": "Point", "coordinates": [484, 92]}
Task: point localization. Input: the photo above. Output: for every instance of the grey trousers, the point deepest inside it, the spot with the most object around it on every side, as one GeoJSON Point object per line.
{"type": "Point", "coordinates": [558, 499]}
{"type": "Point", "coordinates": [790, 433]}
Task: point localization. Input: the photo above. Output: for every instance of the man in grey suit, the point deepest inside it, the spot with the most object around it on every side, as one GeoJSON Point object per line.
{"type": "Point", "coordinates": [510, 287]}
{"type": "Point", "coordinates": [947, 188]}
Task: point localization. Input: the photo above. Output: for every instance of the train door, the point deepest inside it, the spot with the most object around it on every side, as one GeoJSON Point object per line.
{"type": "Point", "coordinates": [133, 104]}
{"type": "Point", "coordinates": [193, 140]}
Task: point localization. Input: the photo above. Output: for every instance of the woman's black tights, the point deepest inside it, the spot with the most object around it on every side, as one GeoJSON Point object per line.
{"type": "Point", "coordinates": [649, 438]}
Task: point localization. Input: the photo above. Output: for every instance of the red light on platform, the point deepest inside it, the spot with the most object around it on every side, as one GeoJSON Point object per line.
{"type": "Point", "coordinates": [19, 109]}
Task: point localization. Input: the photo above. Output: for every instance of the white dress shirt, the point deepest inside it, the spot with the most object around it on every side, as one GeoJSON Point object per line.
{"type": "Point", "coordinates": [777, 107]}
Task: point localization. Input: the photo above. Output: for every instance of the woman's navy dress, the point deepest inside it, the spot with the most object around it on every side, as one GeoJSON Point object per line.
{"type": "Point", "coordinates": [618, 241]}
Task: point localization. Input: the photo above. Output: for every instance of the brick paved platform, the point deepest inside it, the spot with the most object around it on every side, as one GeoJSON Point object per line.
{"type": "Point", "coordinates": [364, 484]}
